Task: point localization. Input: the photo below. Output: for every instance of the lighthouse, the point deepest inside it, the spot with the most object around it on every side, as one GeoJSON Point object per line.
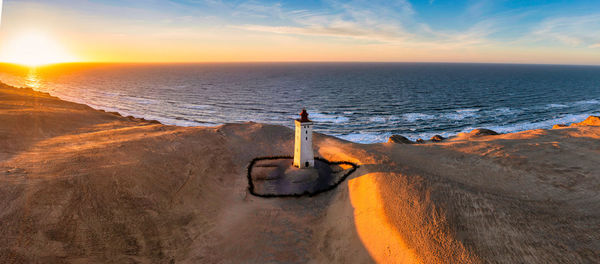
{"type": "Point", "coordinates": [303, 149]}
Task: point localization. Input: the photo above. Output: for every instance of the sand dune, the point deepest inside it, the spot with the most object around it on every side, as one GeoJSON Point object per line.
{"type": "Point", "coordinates": [84, 186]}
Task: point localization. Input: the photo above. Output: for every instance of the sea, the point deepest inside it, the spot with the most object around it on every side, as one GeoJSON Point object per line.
{"type": "Point", "coordinates": [359, 102]}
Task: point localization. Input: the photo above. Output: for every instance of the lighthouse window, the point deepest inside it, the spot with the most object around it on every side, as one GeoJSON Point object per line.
{"type": "Point", "coordinates": [306, 131]}
{"type": "Point", "coordinates": [306, 138]}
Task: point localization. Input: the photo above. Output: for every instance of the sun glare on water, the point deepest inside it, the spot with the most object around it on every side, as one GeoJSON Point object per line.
{"type": "Point", "coordinates": [34, 49]}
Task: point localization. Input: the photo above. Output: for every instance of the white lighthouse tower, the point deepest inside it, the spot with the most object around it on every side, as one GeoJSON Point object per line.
{"type": "Point", "coordinates": [303, 149]}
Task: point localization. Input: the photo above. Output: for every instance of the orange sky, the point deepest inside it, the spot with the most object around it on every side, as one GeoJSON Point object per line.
{"type": "Point", "coordinates": [113, 32]}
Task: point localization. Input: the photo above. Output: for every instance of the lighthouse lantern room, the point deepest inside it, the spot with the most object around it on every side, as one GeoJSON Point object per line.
{"type": "Point", "coordinates": [303, 149]}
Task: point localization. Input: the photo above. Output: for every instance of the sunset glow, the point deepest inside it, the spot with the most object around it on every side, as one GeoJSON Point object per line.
{"type": "Point", "coordinates": [553, 31]}
{"type": "Point", "coordinates": [34, 49]}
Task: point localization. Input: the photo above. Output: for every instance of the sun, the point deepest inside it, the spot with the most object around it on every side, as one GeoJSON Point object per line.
{"type": "Point", "coordinates": [34, 49]}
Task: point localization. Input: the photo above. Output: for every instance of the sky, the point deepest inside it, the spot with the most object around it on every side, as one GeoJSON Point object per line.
{"type": "Point", "coordinates": [494, 31]}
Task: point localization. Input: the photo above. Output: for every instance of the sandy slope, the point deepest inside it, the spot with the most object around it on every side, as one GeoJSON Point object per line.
{"type": "Point", "coordinates": [79, 185]}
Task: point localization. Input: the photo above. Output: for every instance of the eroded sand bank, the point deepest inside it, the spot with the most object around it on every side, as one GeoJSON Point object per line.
{"type": "Point", "coordinates": [79, 185]}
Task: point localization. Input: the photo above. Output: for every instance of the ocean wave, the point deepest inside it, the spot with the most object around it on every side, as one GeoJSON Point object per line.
{"type": "Point", "coordinates": [428, 135]}
{"type": "Point", "coordinates": [456, 116]}
{"type": "Point", "coordinates": [413, 117]}
{"type": "Point", "coordinates": [556, 105]}
{"type": "Point", "coordinates": [161, 119]}
{"type": "Point", "coordinates": [506, 111]}
{"type": "Point", "coordinates": [584, 102]}
{"type": "Point", "coordinates": [572, 104]}
{"type": "Point", "coordinates": [365, 137]}
{"type": "Point", "coordinates": [461, 114]}
{"type": "Point", "coordinates": [503, 110]}
{"type": "Point", "coordinates": [178, 122]}
{"type": "Point", "coordinates": [141, 100]}
{"type": "Point", "coordinates": [328, 118]}
{"type": "Point", "coordinates": [195, 106]}
{"type": "Point", "coordinates": [468, 110]}
{"type": "Point", "coordinates": [544, 124]}
{"type": "Point", "coordinates": [379, 119]}
{"type": "Point", "coordinates": [373, 137]}
{"type": "Point", "coordinates": [512, 128]}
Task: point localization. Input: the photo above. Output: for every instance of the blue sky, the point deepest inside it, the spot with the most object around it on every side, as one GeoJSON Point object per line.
{"type": "Point", "coordinates": [539, 31]}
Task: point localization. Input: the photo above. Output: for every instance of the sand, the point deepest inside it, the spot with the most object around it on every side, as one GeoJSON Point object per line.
{"type": "Point", "coordinates": [79, 185]}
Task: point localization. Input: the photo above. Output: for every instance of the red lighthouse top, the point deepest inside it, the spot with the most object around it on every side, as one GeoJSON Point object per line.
{"type": "Point", "coordinates": [304, 116]}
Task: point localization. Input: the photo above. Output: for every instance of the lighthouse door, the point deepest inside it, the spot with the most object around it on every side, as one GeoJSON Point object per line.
{"type": "Point", "coordinates": [306, 164]}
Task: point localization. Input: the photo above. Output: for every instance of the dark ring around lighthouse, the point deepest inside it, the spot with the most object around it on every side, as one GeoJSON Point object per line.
{"type": "Point", "coordinates": [306, 193]}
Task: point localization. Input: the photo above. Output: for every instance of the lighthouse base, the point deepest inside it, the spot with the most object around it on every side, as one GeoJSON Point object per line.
{"type": "Point", "coordinates": [277, 177]}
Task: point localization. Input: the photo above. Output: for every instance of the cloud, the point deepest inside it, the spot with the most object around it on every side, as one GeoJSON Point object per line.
{"type": "Point", "coordinates": [377, 21]}
{"type": "Point", "coordinates": [340, 29]}
{"type": "Point", "coordinates": [256, 9]}
{"type": "Point", "coordinates": [479, 7]}
{"type": "Point", "coordinates": [366, 22]}
{"type": "Point", "coordinates": [572, 31]}
{"type": "Point", "coordinates": [370, 22]}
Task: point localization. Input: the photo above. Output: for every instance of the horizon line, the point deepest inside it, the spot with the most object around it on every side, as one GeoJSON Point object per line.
{"type": "Point", "coordinates": [290, 62]}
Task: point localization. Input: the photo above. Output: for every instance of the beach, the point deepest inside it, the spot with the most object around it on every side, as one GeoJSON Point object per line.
{"type": "Point", "coordinates": [79, 185]}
